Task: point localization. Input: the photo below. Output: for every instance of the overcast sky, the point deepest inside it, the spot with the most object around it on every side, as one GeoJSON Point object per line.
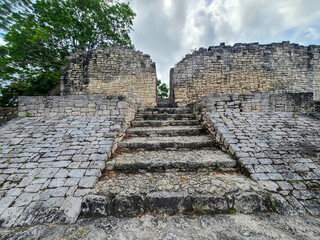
{"type": "Point", "coordinates": [169, 29]}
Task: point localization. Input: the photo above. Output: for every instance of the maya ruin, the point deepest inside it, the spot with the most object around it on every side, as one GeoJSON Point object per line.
{"type": "Point", "coordinates": [236, 146]}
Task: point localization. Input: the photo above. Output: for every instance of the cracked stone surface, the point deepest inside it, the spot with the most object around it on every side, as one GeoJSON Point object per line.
{"type": "Point", "coordinates": [46, 165]}
{"type": "Point", "coordinates": [237, 226]}
{"type": "Point", "coordinates": [280, 150]}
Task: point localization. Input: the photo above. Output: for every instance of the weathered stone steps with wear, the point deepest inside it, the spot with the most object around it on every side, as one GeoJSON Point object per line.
{"type": "Point", "coordinates": [165, 103]}
{"type": "Point", "coordinates": [172, 166]}
{"type": "Point", "coordinates": [157, 110]}
{"type": "Point", "coordinates": [168, 143]}
{"type": "Point", "coordinates": [158, 123]}
{"type": "Point", "coordinates": [149, 116]}
{"type": "Point", "coordinates": [125, 195]}
{"type": "Point", "coordinates": [166, 131]}
{"type": "Point", "coordinates": [160, 161]}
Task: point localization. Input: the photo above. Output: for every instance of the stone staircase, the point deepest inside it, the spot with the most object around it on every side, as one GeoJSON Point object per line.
{"type": "Point", "coordinates": [168, 163]}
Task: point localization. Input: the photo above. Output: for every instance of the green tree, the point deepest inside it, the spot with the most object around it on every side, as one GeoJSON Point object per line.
{"type": "Point", "coordinates": [41, 34]}
{"type": "Point", "coordinates": [162, 89]}
{"type": "Point", "coordinates": [9, 9]}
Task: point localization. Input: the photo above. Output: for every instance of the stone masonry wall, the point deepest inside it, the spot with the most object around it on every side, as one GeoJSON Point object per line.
{"type": "Point", "coordinates": [246, 68]}
{"type": "Point", "coordinates": [111, 71]}
{"type": "Point", "coordinates": [7, 114]}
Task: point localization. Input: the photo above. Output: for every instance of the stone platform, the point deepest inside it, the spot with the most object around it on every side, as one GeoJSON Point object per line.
{"type": "Point", "coordinates": [60, 169]}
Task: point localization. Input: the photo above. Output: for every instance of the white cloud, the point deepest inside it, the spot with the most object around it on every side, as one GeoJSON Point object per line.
{"type": "Point", "coordinates": [168, 29]}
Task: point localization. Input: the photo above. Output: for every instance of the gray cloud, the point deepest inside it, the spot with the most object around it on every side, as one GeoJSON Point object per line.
{"type": "Point", "coordinates": [168, 29]}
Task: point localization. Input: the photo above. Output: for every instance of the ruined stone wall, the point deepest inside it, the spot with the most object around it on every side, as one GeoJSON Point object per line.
{"type": "Point", "coordinates": [111, 71]}
{"type": "Point", "coordinates": [246, 68]}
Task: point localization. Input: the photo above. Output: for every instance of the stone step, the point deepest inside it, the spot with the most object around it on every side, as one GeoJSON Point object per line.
{"type": "Point", "coordinates": [165, 104]}
{"type": "Point", "coordinates": [167, 131]}
{"type": "Point", "coordinates": [160, 161]}
{"type": "Point", "coordinates": [128, 195]}
{"type": "Point", "coordinates": [188, 116]}
{"type": "Point", "coordinates": [180, 110]}
{"type": "Point", "coordinates": [158, 123]}
{"type": "Point", "coordinates": [168, 143]}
